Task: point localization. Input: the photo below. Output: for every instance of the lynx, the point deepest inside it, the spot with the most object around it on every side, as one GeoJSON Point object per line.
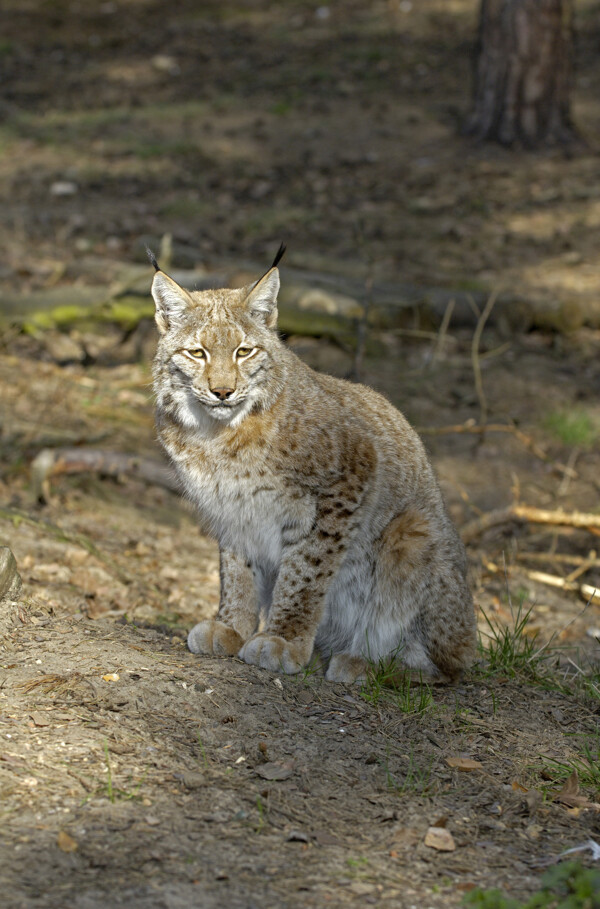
{"type": "Point", "coordinates": [332, 531]}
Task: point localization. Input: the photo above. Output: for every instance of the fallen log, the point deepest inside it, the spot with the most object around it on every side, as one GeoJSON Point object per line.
{"type": "Point", "coordinates": [52, 462]}
{"type": "Point", "coordinates": [311, 302]}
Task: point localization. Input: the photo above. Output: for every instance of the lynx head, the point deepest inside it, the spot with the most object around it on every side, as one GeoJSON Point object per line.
{"type": "Point", "coordinates": [217, 351]}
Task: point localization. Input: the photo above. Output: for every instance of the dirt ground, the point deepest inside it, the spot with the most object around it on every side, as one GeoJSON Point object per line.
{"type": "Point", "coordinates": [133, 773]}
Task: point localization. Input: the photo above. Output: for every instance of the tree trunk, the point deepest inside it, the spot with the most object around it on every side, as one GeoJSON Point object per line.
{"type": "Point", "coordinates": [523, 73]}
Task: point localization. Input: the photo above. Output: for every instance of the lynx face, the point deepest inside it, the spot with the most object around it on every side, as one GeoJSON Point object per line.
{"type": "Point", "coordinates": [215, 353]}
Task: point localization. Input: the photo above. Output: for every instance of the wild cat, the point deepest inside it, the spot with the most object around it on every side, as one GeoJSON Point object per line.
{"type": "Point", "coordinates": [331, 526]}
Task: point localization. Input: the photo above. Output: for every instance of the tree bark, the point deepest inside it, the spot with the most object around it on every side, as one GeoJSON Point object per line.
{"type": "Point", "coordinates": [523, 73]}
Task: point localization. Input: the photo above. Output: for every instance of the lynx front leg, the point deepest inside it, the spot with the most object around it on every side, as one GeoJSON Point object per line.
{"type": "Point", "coordinates": [308, 568]}
{"type": "Point", "coordinates": [287, 642]}
{"type": "Point", "coordinates": [237, 617]}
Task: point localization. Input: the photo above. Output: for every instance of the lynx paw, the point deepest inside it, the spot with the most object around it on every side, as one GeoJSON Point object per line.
{"type": "Point", "coordinates": [212, 636]}
{"type": "Point", "coordinates": [343, 667]}
{"type": "Point", "coordinates": [269, 651]}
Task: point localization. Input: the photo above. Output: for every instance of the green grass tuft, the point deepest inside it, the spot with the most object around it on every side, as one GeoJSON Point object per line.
{"type": "Point", "coordinates": [417, 780]}
{"type": "Point", "coordinates": [567, 885]}
{"type": "Point", "coordinates": [387, 680]}
{"type": "Point", "coordinates": [586, 764]}
{"type": "Point", "coordinates": [575, 427]}
{"type": "Point", "coordinates": [509, 649]}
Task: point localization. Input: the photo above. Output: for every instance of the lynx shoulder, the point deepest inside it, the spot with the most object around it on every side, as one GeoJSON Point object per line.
{"type": "Point", "coordinates": [332, 530]}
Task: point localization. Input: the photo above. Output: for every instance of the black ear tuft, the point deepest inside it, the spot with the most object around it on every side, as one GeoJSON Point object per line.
{"type": "Point", "coordinates": [279, 255]}
{"type": "Point", "coordinates": [153, 261]}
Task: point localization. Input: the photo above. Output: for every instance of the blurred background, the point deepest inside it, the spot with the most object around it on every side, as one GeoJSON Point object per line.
{"type": "Point", "coordinates": [336, 127]}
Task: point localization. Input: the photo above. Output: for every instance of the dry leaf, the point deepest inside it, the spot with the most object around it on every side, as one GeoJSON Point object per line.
{"type": "Point", "coordinates": [464, 764]}
{"type": "Point", "coordinates": [569, 794]}
{"type": "Point", "coordinates": [441, 839]}
{"type": "Point", "coordinates": [111, 677]}
{"type": "Point", "coordinates": [39, 719]}
{"type": "Point", "coordinates": [518, 787]}
{"type": "Point", "coordinates": [570, 786]}
{"type": "Point", "coordinates": [65, 842]}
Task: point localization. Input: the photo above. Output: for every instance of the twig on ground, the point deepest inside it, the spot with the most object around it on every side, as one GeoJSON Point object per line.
{"type": "Point", "coordinates": [568, 473]}
{"type": "Point", "coordinates": [471, 427]}
{"type": "Point", "coordinates": [583, 568]}
{"type": "Point", "coordinates": [555, 558]}
{"type": "Point", "coordinates": [552, 580]}
{"type": "Point", "coordinates": [475, 355]}
{"type": "Point", "coordinates": [528, 513]}
{"type": "Point", "coordinates": [586, 591]}
{"type": "Point", "coordinates": [590, 594]}
{"type": "Point", "coordinates": [441, 336]}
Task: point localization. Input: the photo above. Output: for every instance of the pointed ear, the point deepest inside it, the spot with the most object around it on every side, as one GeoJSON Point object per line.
{"type": "Point", "coordinates": [261, 302]}
{"type": "Point", "coordinates": [172, 301]}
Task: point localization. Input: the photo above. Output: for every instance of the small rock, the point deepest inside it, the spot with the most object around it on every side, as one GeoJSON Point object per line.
{"type": "Point", "coordinates": [275, 772]}
{"type": "Point", "coordinates": [441, 839]}
{"type": "Point", "coordinates": [163, 63]}
{"type": "Point", "coordinates": [191, 780]}
{"type": "Point", "coordinates": [63, 188]}
{"type": "Point", "coordinates": [297, 836]}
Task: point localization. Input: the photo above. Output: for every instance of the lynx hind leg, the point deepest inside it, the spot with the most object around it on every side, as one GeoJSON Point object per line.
{"type": "Point", "coordinates": [212, 636]}
{"type": "Point", "coordinates": [421, 569]}
{"type": "Point", "coordinates": [440, 640]}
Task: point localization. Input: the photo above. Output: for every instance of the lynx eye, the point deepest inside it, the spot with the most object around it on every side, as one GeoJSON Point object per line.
{"type": "Point", "coordinates": [244, 352]}
{"type": "Point", "coordinates": [197, 353]}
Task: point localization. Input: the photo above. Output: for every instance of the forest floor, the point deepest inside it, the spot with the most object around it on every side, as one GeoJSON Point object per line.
{"type": "Point", "coordinates": [133, 773]}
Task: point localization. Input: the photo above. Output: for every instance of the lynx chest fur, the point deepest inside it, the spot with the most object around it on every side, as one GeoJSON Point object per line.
{"type": "Point", "coordinates": [331, 526]}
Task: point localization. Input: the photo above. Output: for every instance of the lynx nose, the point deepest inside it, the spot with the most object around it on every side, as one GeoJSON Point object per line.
{"type": "Point", "coordinates": [222, 393]}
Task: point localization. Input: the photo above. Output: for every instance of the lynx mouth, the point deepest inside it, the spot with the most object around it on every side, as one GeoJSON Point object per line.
{"type": "Point", "coordinates": [220, 405]}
